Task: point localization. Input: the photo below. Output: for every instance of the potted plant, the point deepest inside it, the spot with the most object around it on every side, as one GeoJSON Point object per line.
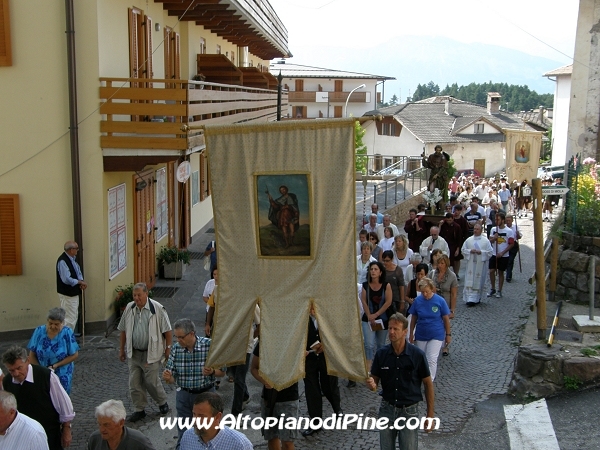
{"type": "Point", "coordinates": [174, 261]}
{"type": "Point", "coordinates": [199, 77]}
{"type": "Point", "coordinates": [125, 296]}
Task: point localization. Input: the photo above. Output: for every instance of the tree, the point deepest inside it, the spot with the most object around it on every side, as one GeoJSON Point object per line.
{"type": "Point", "coordinates": [393, 100]}
{"type": "Point", "coordinates": [360, 148]}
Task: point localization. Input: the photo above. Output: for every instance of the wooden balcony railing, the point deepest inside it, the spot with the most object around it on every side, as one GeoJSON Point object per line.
{"type": "Point", "coordinates": [142, 116]}
{"type": "Point", "coordinates": [334, 97]}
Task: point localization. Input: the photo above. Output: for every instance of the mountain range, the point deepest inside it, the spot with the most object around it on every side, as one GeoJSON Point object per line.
{"type": "Point", "coordinates": [414, 60]}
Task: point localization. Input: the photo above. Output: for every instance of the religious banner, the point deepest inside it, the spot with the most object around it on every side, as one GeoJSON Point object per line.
{"type": "Point", "coordinates": [522, 154]}
{"type": "Point", "coordinates": [284, 211]}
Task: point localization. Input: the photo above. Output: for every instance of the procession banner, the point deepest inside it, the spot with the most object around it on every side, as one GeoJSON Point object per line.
{"type": "Point", "coordinates": [284, 210]}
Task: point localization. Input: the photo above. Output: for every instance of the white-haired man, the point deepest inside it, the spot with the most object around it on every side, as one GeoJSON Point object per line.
{"type": "Point", "coordinates": [387, 222]}
{"type": "Point", "coordinates": [18, 431]}
{"type": "Point", "coordinates": [110, 416]}
{"type": "Point", "coordinates": [433, 242]}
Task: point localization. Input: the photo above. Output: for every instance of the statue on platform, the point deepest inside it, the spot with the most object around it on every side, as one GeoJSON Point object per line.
{"type": "Point", "coordinates": [438, 164]}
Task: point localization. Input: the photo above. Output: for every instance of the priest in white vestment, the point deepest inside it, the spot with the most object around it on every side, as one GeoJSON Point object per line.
{"type": "Point", "coordinates": [477, 250]}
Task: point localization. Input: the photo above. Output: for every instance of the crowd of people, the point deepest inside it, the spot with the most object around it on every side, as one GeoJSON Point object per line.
{"type": "Point", "coordinates": [408, 282]}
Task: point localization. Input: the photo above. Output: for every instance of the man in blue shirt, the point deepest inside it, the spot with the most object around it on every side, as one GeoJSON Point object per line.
{"type": "Point", "coordinates": [69, 282]}
{"type": "Point", "coordinates": [402, 368]}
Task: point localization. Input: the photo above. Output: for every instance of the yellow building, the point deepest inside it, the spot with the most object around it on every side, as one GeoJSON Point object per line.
{"type": "Point", "coordinates": [130, 68]}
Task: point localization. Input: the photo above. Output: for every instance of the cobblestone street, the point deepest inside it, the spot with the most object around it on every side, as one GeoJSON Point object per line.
{"type": "Point", "coordinates": [485, 340]}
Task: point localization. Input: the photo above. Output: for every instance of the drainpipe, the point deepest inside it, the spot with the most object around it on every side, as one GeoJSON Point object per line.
{"type": "Point", "coordinates": [74, 137]}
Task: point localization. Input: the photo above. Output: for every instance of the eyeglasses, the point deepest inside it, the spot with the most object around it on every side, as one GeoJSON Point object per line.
{"type": "Point", "coordinates": [182, 337]}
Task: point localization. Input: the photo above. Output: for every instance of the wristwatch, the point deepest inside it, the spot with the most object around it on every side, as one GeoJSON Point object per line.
{"type": "Point", "coordinates": [168, 346]}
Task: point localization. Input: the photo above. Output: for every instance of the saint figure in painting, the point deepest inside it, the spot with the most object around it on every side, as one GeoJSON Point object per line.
{"type": "Point", "coordinates": [284, 214]}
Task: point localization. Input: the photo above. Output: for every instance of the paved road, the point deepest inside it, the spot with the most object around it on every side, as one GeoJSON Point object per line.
{"type": "Point", "coordinates": [470, 380]}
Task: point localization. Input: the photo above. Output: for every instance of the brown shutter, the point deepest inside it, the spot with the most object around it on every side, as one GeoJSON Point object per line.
{"type": "Point", "coordinates": [299, 85]}
{"type": "Point", "coordinates": [5, 45]}
{"type": "Point", "coordinates": [339, 85]}
{"type": "Point", "coordinates": [149, 73]}
{"type": "Point", "coordinates": [337, 111]}
{"type": "Point", "coordinates": [134, 56]}
{"type": "Point", "coordinates": [203, 181]}
{"type": "Point", "coordinates": [10, 235]}
{"type": "Point", "coordinates": [168, 57]}
{"type": "Point", "coordinates": [176, 56]}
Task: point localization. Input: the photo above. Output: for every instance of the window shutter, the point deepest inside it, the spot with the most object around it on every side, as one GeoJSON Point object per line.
{"type": "Point", "coordinates": [168, 57]}
{"type": "Point", "coordinates": [10, 235]}
{"type": "Point", "coordinates": [134, 56]}
{"type": "Point", "coordinates": [149, 73]}
{"type": "Point", "coordinates": [176, 56]}
{"type": "Point", "coordinates": [203, 180]}
{"type": "Point", "coordinates": [5, 47]}
{"type": "Point", "coordinates": [337, 111]}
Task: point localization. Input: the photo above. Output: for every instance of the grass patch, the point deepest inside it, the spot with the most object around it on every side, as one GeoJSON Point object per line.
{"type": "Point", "coordinates": [572, 383]}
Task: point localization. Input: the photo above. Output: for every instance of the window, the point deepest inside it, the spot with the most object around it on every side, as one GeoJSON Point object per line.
{"type": "Point", "coordinates": [300, 112]}
{"type": "Point", "coordinates": [10, 235]}
{"type": "Point", "coordinates": [195, 188]}
{"type": "Point", "coordinates": [202, 46]}
{"type": "Point", "coordinates": [388, 129]}
{"type": "Point", "coordinates": [337, 111]}
{"type": "Point", "coordinates": [140, 44]}
{"type": "Point", "coordinates": [479, 128]}
{"type": "Point", "coordinates": [162, 204]}
{"type": "Point", "coordinates": [5, 47]}
{"type": "Point", "coordinates": [218, 49]}
{"type": "Point", "coordinates": [204, 182]}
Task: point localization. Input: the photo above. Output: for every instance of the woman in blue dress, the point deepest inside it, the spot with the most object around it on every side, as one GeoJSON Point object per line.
{"type": "Point", "coordinates": [54, 346]}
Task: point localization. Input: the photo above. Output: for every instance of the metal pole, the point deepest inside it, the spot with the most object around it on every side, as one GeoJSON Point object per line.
{"type": "Point", "coordinates": [364, 183]}
{"type": "Point", "coordinates": [592, 284]}
{"type": "Point", "coordinates": [348, 98]}
{"type": "Point", "coordinates": [540, 264]}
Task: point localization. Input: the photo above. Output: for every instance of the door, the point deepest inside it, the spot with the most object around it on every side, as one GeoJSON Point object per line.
{"type": "Point", "coordinates": [145, 259]}
{"type": "Point", "coordinates": [479, 166]}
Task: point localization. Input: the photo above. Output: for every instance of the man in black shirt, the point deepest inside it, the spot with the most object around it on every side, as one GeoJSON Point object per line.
{"type": "Point", "coordinates": [401, 367]}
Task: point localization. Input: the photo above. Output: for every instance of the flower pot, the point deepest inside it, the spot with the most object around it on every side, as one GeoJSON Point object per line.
{"type": "Point", "coordinates": [175, 271]}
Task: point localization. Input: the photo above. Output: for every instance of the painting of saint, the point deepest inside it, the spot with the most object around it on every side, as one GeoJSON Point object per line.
{"type": "Point", "coordinates": [283, 215]}
{"type": "Point", "coordinates": [522, 150]}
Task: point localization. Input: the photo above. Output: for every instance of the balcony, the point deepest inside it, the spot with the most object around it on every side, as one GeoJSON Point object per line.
{"type": "Point", "coordinates": [334, 97]}
{"type": "Point", "coordinates": [142, 118]}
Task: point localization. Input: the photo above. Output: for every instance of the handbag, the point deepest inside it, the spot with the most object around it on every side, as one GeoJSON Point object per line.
{"type": "Point", "coordinates": [207, 259]}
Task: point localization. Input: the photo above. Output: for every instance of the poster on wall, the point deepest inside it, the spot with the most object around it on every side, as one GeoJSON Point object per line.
{"type": "Point", "coordinates": [117, 231]}
{"type": "Point", "coordinates": [162, 221]}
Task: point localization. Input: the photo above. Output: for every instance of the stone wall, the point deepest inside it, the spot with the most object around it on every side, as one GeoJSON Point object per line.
{"type": "Point", "coordinates": [540, 371]}
{"type": "Point", "coordinates": [399, 212]}
{"type": "Point", "coordinates": [573, 269]}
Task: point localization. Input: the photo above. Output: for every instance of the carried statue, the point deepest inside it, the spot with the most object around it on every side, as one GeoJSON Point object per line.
{"type": "Point", "coordinates": [438, 164]}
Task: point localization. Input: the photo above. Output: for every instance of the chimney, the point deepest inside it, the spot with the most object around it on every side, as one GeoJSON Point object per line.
{"type": "Point", "coordinates": [493, 102]}
{"type": "Point", "coordinates": [541, 114]}
{"type": "Point", "coordinates": [447, 104]}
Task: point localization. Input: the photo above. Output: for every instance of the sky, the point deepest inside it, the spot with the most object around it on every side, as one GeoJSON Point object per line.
{"type": "Point", "coordinates": [519, 24]}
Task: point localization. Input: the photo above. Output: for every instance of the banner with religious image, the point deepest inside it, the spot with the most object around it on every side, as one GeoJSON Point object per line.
{"type": "Point", "coordinates": [284, 211]}
{"type": "Point", "coordinates": [522, 154]}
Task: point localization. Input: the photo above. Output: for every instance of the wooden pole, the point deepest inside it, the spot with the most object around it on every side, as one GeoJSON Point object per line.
{"type": "Point", "coordinates": [540, 264]}
{"type": "Point", "coordinates": [553, 268]}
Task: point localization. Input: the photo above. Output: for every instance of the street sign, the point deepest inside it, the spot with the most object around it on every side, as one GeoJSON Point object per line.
{"type": "Point", "coordinates": [554, 190]}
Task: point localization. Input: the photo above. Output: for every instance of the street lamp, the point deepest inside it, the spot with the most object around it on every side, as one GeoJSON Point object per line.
{"type": "Point", "coordinates": [356, 88]}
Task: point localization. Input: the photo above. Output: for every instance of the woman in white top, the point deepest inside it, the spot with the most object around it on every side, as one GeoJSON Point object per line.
{"type": "Point", "coordinates": [388, 239]}
{"type": "Point", "coordinates": [362, 262]}
{"type": "Point", "coordinates": [402, 252]}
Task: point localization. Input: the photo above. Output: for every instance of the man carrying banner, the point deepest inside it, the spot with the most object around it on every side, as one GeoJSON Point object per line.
{"type": "Point", "coordinates": [402, 368]}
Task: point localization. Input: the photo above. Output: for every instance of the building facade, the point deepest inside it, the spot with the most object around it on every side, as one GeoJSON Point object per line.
{"type": "Point", "coordinates": [560, 112]}
{"type": "Point", "coordinates": [317, 93]}
{"type": "Point", "coordinates": [103, 167]}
